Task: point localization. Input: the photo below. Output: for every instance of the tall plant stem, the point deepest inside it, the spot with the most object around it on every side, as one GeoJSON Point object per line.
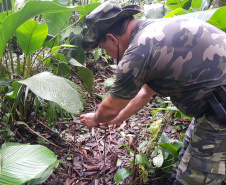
{"type": "Point", "coordinates": [6, 5]}
{"type": "Point", "coordinates": [28, 72]}
{"type": "Point", "coordinates": [18, 63]}
{"type": "Point", "coordinates": [25, 59]}
{"type": "Point", "coordinates": [1, 61]}
{"type": "Point", "coordinates": [2, 6]}
{"type": "Point", "coordinates": [7, 67]}
{"type": "Point", "coordinates": [11, 59]}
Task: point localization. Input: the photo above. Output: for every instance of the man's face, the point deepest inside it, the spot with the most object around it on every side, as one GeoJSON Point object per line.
{"type": "Point", "coordinates": [110, 46]}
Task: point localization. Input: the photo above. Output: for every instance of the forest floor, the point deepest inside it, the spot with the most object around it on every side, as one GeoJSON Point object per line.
{"type": "Point", "coordinates": [92, 157]}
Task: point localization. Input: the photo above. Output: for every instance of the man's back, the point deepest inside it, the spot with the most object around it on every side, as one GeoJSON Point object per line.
{"type": "Point", "coordinates": [183, 59]}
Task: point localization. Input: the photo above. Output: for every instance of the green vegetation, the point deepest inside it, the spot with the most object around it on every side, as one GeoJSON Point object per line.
{"type": "Point", "coordinates": [39, 53]}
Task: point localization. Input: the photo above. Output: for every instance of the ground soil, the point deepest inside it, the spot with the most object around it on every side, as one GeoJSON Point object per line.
{"type": "Point", "coordinates": [90, 157]}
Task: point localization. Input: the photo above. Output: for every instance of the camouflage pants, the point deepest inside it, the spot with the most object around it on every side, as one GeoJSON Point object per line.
{"type": "Point", "coordinates": [203, 157]}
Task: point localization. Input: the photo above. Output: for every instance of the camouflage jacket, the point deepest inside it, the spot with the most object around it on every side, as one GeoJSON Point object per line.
{"type": "Point", "coordinates": [180, 58]}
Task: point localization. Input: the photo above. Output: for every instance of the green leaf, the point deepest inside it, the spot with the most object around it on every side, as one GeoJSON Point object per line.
{"type": "Point", "coordinates": [178, 11]}
{"type": "Point", "coordinates": [196, 4]}
{"type": "Point", "coordinates": [174, 4]}
{"type": "Point", "coordinates": [75, 63]}
{"type": "Point", "coordinates": [88, 8]}
{"type": "Point", "coordinates": [84, 73]}
{"type": "Point", "coordinates": [218, 19]}
{"type": "Point", "coordinates": [182, 137]}
{"type": "Point", "coordinates": [16, 87]}
{"type": "Point", "coordinates": [87, 77]}
{"type": "Point", "coordinates": [122, 174]}
{"type": "Point", "coordinates": [8, 144]}
{"type": "Point", "coordinates": [78, 52]}
{"type": "Point", "coordinates": [64, 70]}
{"type": "Point", "coordinates": [4, 15]}
{"type": "Point", "coordinates": [97, 54]}
{"type": "Point", "coordinates": [130, 150]}
{"type": "Point", "coordinates": [56, 21]}
{"type": "Point", "coordinates": [155, 111]}
{"type": "Point", "coordinates": [31, 9]}
{"type": "Point", "coordinates": [169, 148]}
{"type": "Point", "coordinates": [50, 42]}
{"type": "Point", "coordinates": [5, 81]}
{"type": "Point", "coordinates": [142, 145]}
{"type": "Point", "coordinates": [45, 175]}
{"type": "Point", "coordinates": [31, 36]}
{"type": "Point", "coordinates": [186, 4]}
{"type": "Point", "coordinates": [164, 138]}
{"type": "Point", "coordinates": [60, 66]}
{"type": "Point", "coordinates": [56, 89]}
{"type": "Point", "coordinates": [143, 160]}
{"type": "Point", "coordinates": [21, 163]}
{"type": "Point", "coordinates": [177, 144]}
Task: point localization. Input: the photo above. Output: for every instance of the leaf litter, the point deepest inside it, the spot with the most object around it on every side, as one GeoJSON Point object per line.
{"type": "Point", "coordinates": [92, 157]}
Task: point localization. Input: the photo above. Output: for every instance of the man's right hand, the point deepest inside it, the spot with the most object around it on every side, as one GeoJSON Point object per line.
{"type": "Point", "coordinates": [88, 120]}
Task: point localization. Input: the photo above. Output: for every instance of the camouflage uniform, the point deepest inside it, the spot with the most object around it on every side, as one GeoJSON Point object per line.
{"type": "Point", "coordinates": [184, 59]}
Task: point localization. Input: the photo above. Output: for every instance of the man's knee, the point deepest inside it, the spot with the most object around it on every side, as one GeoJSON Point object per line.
{"type": "Point", "coordinates": [194, 176]}
{"type": "Point", "coordinates": [187, 174]}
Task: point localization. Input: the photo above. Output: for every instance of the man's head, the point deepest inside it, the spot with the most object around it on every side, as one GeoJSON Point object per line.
{"type": "Point", "coordinates": [100, 20]}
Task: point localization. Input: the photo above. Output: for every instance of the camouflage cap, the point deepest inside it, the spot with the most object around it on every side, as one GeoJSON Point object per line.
{"type": "Point", "coordinates": [102, 18]}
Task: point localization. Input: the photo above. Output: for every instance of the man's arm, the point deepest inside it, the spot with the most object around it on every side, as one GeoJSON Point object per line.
{"type": "Point", "coordinates": [107, 111]}
{"type": "Point", "coordinates": [114, 110]}
{"type": "Point", "coordinates": [136, 104]}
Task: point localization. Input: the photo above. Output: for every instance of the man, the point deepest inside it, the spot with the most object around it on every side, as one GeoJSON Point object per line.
{"type": "Point", "coordinates": [181, 58]}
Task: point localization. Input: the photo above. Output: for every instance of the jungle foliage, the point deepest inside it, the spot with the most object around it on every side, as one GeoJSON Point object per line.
{"type": "Point", "coordinates": [40, 51]}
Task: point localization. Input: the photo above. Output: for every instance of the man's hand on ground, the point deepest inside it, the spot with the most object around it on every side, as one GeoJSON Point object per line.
{"type": "Point", "coordinates": [88, 120]}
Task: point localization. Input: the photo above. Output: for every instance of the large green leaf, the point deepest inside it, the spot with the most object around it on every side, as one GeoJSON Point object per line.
{"type": "Point", "coordinates": [56, 89]}
{"type": "Point", "coordinates": [4, 15]}
{"type": "Point", "coordinates": [218, 19]}
{"type": "Point", "coordinates": [21, 163]}
{"type": "Point", "coordinates": [31, 36]}
{"type": "Point", "coordinates": [84, 73]}
{"type": "Point", "coordinates": [55, 21]}
{"type": "Point", "coordinates": [88, 8]}
{"type": "Point", "coordinates": [87, 77]}
{"type": "Point", "coordinates": [31, 9]}
{"type": "Point", "coordinates": [77, 53]}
